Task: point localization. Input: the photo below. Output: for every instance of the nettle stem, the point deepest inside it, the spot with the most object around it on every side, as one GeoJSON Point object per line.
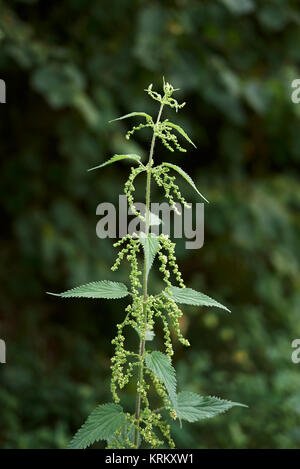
{"type": "Point", "coordinates": [145, 282]}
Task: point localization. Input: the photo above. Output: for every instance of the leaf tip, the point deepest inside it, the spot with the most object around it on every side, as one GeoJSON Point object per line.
{"type": "Point", "coordinates": [238, 404]}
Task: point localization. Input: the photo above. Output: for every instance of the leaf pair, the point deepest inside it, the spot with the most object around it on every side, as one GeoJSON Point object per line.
{"type": "Point", "coordinates": [137, 158]}
{"type": "Point", "coordinates": [188, 406]}
{"type": "Point", "coordinates": [150, 120]}
{"type": "Point", "coordinates": [113, 290]}
{"type": "Point", "coordinates": [107, 419]}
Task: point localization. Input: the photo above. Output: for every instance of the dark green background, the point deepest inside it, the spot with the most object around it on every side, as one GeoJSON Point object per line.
{"type": "Point", "coordinates": [71, 66]}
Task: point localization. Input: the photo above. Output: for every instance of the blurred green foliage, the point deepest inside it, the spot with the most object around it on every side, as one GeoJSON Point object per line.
{"type": "Point", "coordinates": [71, 66]}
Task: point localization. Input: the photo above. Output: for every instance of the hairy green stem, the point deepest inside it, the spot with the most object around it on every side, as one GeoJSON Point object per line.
{"type": "Point", "coordinates": [145, 283]}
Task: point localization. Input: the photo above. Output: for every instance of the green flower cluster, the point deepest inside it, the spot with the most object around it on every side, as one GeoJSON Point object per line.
{"type": "Point", "coordinates": [152, 419]}
{"type": "Point", "coordinates": [172, 192]}
{"type": "Point", "coordinates": [170, 258]}
{"type": "Point", "coordinates": [167, 98]}
{"type": "Point", "coordinates": [137, 127]}
{"type": "Point", "coordinates": [163, 130]}
{"type": "Point", "coordinates": [129, 189]}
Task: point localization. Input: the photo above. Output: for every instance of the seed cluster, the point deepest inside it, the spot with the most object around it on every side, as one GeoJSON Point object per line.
{"type": "Point", "coordinates": [169, 258]}
{"type": "Point", "coordinates": [163, 131]}
{"type": "Point", "coordinates": [150, 420]}
{"type": "Point", "coordinates": [137, 127]}
{"type": "Point", "coordinates": [172, 192]}
{"type": "Point", "coordinates": [129, 189]}
{"type": "Point", "coordinates": [167, 306]}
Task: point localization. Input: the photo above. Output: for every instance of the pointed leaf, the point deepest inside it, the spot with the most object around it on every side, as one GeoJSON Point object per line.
{"type": "Point", "coordinates": [186, 177]}
{"type": "Point", "coordinates": [151, 245]}
{"type": "Point", "coordinates": [105, 420]}
{"type": "Point", "coordinates": [161, 366]}
{"type": "Point", "coordinates": [188, 296]}
{"type": "Point", "coordinates": [181, 131]}
{"type": "Point", "coordinates": [132, 114]}
{"type": "Point", "coordinates": [117, 158]}
{"type": "Point", "coordinates": [192, 407]}
{"type": "Point", "coordinates": [103, 289]}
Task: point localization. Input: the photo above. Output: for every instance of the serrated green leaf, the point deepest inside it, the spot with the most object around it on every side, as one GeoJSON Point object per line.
{"type": "Point", "coordinates": [188, 296]}
{"type": "Point", "coordinates": [151, 245]}
{"type": "Point", "coordinates": [161, 366]}
{"type": "Point", "coordinates": [185, 176]}
{"type": "Point", "coordinates": [181, 131]}
{"type": "Point", "coordinates": [115, 158]}
{"type": "Point", "coordinates": [103, 422]}
{"type": "Point", "coordinates": [193, 407]}
{"type": "Point", "coordinates": [132, 114]}
{"type": "Point", "coordinates": [102, 289]}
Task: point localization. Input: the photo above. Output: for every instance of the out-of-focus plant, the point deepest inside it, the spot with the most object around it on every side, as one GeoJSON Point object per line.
{"type": "Point", "coordinates": [109, 421]}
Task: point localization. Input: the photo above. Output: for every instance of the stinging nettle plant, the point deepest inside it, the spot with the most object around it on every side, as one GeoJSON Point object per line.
{"type": "Point", "coordinates": [152, 370]}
